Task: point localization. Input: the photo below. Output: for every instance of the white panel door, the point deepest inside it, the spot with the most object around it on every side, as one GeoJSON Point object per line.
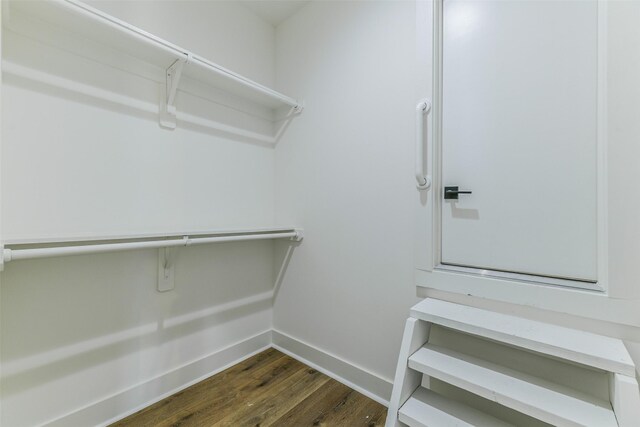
{"type": "Point", "coordinates": [519, 130]}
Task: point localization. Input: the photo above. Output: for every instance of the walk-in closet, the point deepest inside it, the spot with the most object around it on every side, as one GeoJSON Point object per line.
{"type": "Point", "coordinates": [298, 213]}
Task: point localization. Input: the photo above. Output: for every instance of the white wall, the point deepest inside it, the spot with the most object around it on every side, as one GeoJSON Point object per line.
{"type": "Point", "coordinates": [344, 172]}
{"type": "Point", "coordinates": [89, 336]}
{"type": "Point", "coordinates": [221, 31]}
{"type": "Point", "coordinates": [79, 330]}
{"type": "Point", "coordinates": [103, 171]}
{"type": "Point", "coordinates": [623, 130]}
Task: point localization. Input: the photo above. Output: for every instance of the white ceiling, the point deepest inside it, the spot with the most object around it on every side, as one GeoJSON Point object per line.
{"type": "Point", "coordinates": [274, 11]}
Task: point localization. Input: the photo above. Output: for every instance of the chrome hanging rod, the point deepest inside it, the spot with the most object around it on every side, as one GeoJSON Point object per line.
{"type": "Point", "coordinates": [53, 251]}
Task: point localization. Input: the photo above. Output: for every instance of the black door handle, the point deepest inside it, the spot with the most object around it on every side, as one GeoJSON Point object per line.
{"type": "Point", "coordinates": [451, 193]}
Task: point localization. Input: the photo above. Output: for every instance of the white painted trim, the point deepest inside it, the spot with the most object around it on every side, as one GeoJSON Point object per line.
{"type": "Point", "coordinates": [602, 183]}
{"type": "Point", "coordinates": [416, 334]}
{"type": "Point", "coordinates": [349, 374]}
{"type": "Point", "coordinates": [520, 277]}
{"type": "Point", "coordinates": [625, 399]}
{"type": "Point", "coordinates": [4, 15]}
{"type": "Point", "coordinates": [151, 391]}
{"type": "Point", "coordinates": [437, 105]}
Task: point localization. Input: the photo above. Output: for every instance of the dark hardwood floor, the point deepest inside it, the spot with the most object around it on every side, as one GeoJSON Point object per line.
{"type": "Point", "coordinates": [269, 389]}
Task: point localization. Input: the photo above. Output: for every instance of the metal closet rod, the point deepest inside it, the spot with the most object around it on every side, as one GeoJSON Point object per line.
{"type": "Point", "coordinates": [18, 254]}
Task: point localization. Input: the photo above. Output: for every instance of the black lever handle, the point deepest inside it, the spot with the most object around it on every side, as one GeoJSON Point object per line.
{"type": "Point", "coordinates": [451, 193]}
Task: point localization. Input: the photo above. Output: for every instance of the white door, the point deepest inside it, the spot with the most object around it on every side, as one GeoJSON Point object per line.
{"type": "Point", "coordinates": [519, 130]}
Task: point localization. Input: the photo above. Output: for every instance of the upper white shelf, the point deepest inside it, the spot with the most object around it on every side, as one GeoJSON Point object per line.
{"type": "Point", "coordinates": [577, 346]}
{"type": "Point", "coordinates": [90, 23]}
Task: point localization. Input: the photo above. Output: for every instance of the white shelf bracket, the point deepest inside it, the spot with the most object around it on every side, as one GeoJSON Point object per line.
{"type": "Point", "coordinates": [286, 120]}
{"type": "Point", "coordinates": [168, 95]}
{"type": "Point", "coordinates": [166, 270]}
{"type": "Point", "coordinates": [298, 109]}
{"type": "Point", "coordinates": [166, 266]}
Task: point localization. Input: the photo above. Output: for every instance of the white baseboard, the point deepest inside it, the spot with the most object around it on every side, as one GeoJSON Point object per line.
{"type": "Point", "coordinates": [359, 379]}
{"type": "Point", "coordinates": [149, 392]}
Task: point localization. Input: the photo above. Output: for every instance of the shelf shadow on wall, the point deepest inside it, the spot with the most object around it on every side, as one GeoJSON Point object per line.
{"type": "Point", "coordinates": [146, 336]}
{"type": "Point", "coordinates": [43, 83]}
{"type": "Point", "coordinates": [53, 90]}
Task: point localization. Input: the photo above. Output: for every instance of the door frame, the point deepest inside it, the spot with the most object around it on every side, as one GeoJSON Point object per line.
{"type": "Point", "coordinates": [429, 253]}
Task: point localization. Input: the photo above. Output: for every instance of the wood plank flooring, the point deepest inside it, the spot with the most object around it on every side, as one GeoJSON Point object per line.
{"type": "Point", "coordinates": [269, 389]}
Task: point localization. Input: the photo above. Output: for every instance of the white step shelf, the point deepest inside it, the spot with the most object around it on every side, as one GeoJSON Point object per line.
{"type": "Point", "coordinates": [601, 352]}
{"type": "Point", "coordinates": [546, 401]}
{"type": "Point", "coordinates": [412, 405]}
{"type": "Point", "coordinates": [428, 409]}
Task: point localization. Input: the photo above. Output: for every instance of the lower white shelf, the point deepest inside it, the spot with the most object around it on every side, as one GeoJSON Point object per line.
{"type": "Point", "coordinates": [541, 399]}
{"type": "Point", "coordinates": [426, 408]}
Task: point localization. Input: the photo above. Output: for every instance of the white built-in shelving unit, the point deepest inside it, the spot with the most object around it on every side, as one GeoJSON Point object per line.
{"type": "Point", "coordinates": [85, 22]}
{"type": "Point", "coordinates": [82, 22]}
{"type": "Point", "coordinates": [415, 405]}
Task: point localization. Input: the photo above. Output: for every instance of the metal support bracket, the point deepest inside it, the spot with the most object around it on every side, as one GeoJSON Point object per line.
{"type": "Point", "coordinates": [299, 235]}
{"type": "Point", "coordinates": [286, 120]}
{"type": "Point", "coordinates": [166, 270]}
{"type": "Point", "coordinates": [168, 93]}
